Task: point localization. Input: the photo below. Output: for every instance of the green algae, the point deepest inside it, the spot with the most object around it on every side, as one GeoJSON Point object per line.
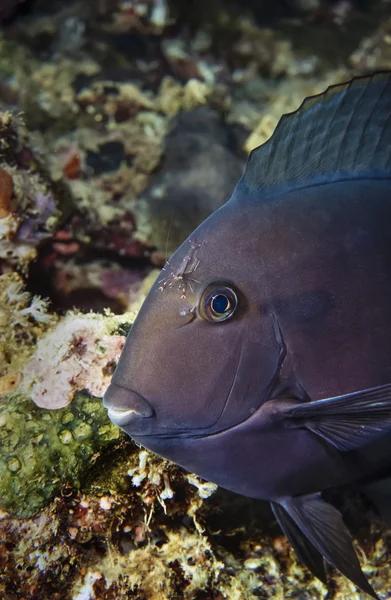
{"type": "Point", "coordinates": [41, 451]}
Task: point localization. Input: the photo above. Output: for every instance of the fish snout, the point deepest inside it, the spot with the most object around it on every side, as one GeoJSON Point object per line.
{"type": "Point", "coordinates": [124, 406]}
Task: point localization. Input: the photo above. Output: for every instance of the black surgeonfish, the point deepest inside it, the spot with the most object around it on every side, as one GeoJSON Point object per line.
{"type": "Point", "coordinates": [261, 358]}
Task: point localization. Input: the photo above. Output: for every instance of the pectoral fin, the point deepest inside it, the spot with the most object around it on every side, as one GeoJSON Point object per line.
{"type": "Point", "coordinates": [349, 421]}
{"type": "Point", "coordinates": [319, 529]}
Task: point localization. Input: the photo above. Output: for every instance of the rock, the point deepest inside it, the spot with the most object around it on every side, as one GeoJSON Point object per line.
{"type": "Point", "coordinates": [199, 170]}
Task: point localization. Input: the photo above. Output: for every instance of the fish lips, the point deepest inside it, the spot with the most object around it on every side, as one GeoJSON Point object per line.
{"type": "Point", "coordinates": [125, 406]}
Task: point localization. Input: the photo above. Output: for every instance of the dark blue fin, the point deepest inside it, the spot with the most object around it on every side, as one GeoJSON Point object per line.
{"type": "Point", "coordinates": [305, 551]}
{"type": "Point", "coordinates": [343, 133]}
{"type": "Point", "coordinates": [379, 492]}
{"type": "Point", "coordinates": [322, 524]}
{"type": "Point", "coordinates": [348, 422]}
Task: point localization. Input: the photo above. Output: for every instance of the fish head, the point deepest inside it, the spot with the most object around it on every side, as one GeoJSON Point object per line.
{"type": "Point", "coordinates": [203, 351]}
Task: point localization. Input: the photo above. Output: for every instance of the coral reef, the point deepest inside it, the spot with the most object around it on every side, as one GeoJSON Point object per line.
{"type": "Point", "coordinates": [138, 535]}
{"type": "Point", "coordinates": [40, 453]}
{"type": "Point", "coordinates": [31, 204]}
{"type": "Point", "coordinates": [86, 351]}
{"type": "Point", "coordinates": [23, 318]}
{"type": "Point", "coordinates": [374, 52]}
{"type": "Point", "coordinates": [52, 362]}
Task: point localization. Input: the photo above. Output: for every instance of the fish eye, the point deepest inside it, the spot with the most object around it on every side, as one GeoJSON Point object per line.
{"type": "Point", "coordinates": [218, 303]}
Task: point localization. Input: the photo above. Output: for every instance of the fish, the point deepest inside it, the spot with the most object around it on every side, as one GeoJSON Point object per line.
{"type": "Point", "coordinates": [261, 358]}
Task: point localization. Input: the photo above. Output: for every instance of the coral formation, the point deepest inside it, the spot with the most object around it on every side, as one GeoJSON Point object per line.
{"type": "Point", "coordinates": [107, 543]}
{"type": "Point", "coordinates": [31, 204]}
{"type": "Point", "coordinates": [374, 52]}
{"type": "Point", "coordinates": [78, 353]}
{"type": "Point", "coordinates": [40, 453]}
{"type": "Point", "coordinates": [6, 191]}
{"type": "Point", "coordinates": [48, 361]}
{"type": "Point", "coordinates": [23, 318]}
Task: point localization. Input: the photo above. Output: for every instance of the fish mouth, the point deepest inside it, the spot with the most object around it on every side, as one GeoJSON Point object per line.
{"type": "Point", "coordinates": [122, 417]}
{"type": "Point", "coordinates": [124, 405]}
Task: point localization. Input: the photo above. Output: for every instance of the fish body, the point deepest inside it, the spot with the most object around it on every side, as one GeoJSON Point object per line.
{"type": "Point", "coordinates": [261, 358]}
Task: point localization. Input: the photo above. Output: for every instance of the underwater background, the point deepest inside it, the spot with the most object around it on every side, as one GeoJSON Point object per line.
{"type": "Point", "coordinates": [123, 124]}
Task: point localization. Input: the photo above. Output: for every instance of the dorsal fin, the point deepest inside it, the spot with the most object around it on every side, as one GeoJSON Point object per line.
{"type": "Point", "coordinates": [344, 132]}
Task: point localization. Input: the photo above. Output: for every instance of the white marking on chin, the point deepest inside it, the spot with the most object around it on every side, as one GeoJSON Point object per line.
{"type": "Point", "coordinates": [121, 416]}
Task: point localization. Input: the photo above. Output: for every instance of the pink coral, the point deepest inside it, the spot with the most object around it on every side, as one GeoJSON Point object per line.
{"type": "Point", "coordinates": [78, 353]}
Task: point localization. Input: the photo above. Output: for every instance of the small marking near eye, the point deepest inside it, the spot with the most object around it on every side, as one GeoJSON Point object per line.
{"type": "Point", "coordinates": [187, 310]}
{"type": "Point", "coordinates": [188, 265]}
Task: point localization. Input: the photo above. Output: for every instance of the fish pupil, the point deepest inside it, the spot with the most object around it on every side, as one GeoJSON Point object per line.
{"type": "Point", "coordinates": [220, 304]}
